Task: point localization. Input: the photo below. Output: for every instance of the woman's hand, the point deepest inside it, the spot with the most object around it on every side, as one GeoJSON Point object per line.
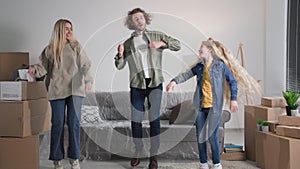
{"type": "Point", "coordinates": [88, 87]}
{"type": "Point", "coordinates": [31, 72]}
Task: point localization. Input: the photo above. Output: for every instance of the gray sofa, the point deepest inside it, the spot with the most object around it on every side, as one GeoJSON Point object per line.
{"type": "Point", "coordinates": [106, 133]}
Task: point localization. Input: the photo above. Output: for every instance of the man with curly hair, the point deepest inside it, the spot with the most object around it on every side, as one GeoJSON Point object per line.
{"type": "Point", "coordinates": [143, 51]}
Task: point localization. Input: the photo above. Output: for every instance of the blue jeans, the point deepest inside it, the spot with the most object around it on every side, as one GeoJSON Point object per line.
{"type": "Point", "coordinates": [206, 117]}
{"type": "Point", "coordinates": [73, 105]}
{"type": "Point", "coordinates": [137, 98]}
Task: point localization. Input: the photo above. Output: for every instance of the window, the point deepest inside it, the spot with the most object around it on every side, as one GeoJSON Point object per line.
{"type": "Point", "coordinates": [293, 46]}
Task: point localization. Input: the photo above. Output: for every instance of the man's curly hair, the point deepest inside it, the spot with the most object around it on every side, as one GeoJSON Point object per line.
{"type": "Point", "coordinates": [128, 20]}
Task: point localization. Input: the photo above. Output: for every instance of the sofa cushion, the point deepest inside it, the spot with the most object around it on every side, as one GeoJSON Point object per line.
{"type": "Point", "coordinates": [116, 105]}
{"type": "Point", "coordinates": [111, 105]}
{"type": "Point", "coordinates": [90, 115]}
{"type": "Point", "coordinates": [171, 99]}
{"type": "Point", "coordinates": [165, 114]}
{"type": "Point", "coordinates": [113, 113]}
{"type": "Point", "coordinates": [183, 113]}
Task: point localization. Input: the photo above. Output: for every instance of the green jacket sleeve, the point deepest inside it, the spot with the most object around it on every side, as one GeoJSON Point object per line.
{"type": "Point", "coordinates": [172, 44]}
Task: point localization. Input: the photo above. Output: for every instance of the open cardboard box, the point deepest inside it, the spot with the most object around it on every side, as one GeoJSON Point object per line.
{"type": "Point", "coordinates": [277, 152]}
{"type": "Point", "coordinates": [10, 62]}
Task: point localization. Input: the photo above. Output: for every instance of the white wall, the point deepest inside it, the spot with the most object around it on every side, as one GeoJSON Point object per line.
{"type": "Point", "coordinates": [275, 61]}
{"type": "Point", "coordinates": [27, 26]}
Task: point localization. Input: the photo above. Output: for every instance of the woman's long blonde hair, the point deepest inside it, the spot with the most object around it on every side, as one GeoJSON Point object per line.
{"type": "Point", "coordinates": [248, 86]}
{"type": "Point", "coordinates": [58, 40]}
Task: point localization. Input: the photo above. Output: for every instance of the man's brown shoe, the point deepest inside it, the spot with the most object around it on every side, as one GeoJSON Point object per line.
{"type": "Point", "coordinates": [134, 162]}
{"type": "Point", "coordinates": [153, 163]}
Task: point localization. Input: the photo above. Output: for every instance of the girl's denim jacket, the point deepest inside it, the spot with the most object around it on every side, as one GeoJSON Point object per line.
{"type": "Point", "coordinates": [218, 73]}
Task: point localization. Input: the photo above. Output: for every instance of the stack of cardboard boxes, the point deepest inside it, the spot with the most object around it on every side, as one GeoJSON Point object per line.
{"type": "Point", "coordinates": [280, 147]}
{"type": "Point", "coordinates": [24, 113]}
{"type": "Point", "coordinates": [270, 109]}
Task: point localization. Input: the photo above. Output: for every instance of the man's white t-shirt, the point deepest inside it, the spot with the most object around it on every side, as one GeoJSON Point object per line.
{"type": "Point", "coordinates": [141, 46]}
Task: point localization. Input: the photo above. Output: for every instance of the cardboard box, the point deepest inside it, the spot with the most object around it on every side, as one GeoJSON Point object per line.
{"type": "Point", "coordinates": [252, 114]}
{"type": "Point", "coordinates": [22, 90]}
{"type": "Point", "coordinates": [288, 131]}
{"type": "Point", "coordinates": [273, 125]}
{"type": "Point", "coordinates": [236, 156]}
{"type": "Point", "coordinates": [10, 62]}
{"type": "Point", "coordinates": [277, 152]}
{"type": "Point", "coordinates": [19, 153]}
{"type": "Point", "coordinates": [273, 101]}
{"type": "Point", "coordinates": [289, 120]}
{"type": "Point", "coordinates": [24, 118]}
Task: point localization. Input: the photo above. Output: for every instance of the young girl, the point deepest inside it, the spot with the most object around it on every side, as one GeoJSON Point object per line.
{"type": "Point", "coordinates": [211, 74]}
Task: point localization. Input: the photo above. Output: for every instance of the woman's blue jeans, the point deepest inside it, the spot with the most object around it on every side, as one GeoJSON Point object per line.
{"type": "Point", "coordinates": [72, 105]}
{"type": "Point", "coordinates": [137, 98]}
{"type": "Point", "coordinates": [207, 127]}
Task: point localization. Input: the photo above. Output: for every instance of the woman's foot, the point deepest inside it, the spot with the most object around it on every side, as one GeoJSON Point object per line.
{"type": "Point", "coordinates": [74, 164]}
{"type": "Point", "coordinates": [58, 165]}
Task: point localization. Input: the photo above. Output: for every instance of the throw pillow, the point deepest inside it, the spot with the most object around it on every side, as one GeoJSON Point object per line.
{"type": "Point", "coordinates": [165, 113]}
{"type": "Point", "coordinates": [183, 113]}
{"type": "Point", "coordinates": [90, 114]}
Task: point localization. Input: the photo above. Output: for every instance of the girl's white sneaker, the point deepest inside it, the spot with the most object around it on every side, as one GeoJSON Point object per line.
{"type": "Point", "coordinates": [217, 166]}
{"type": "Point", "coordinates": [204, 166]}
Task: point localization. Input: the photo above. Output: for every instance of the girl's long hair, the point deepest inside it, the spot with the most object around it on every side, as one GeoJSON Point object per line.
{"type": "Point", "coordinates": [58, 40]}
{"type": "Point", "coordinates": [248, 86]}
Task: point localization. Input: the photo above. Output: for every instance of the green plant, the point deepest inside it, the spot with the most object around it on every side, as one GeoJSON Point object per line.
{"type": "Point", "coordinates": [265, 123]}
{"type": "Point", "coordinates": [291, 99]}
{"type": "Point", "coordinates": [260, 121]}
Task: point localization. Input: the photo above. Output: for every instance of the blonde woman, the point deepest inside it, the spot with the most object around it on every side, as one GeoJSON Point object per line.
{"type": "Point", "coordinates": [66, 67]}
{"type": "Point", "coordinates": [211, 74]}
